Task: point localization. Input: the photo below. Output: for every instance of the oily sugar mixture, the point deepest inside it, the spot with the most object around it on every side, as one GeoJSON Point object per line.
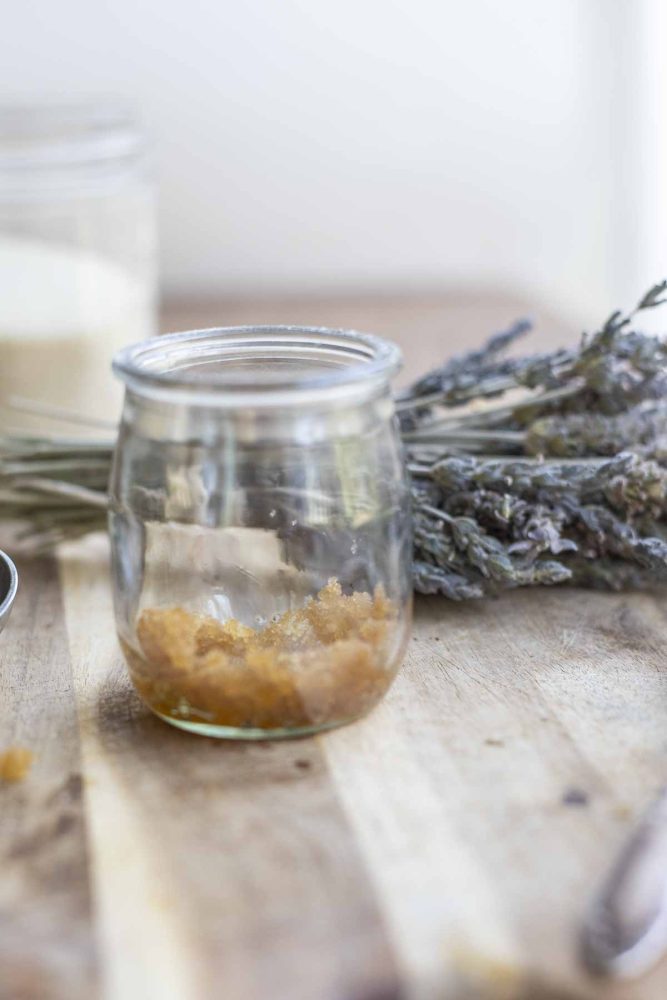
{"type": "Point", "coordinates": [327, 662]}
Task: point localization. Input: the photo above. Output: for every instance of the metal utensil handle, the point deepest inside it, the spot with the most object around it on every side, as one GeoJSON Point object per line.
{"type": "Point", "coordinates": [625, 931]}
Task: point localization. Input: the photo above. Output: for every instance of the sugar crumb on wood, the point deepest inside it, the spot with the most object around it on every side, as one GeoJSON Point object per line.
{"type": "Point", "coordinates": [15, 763]}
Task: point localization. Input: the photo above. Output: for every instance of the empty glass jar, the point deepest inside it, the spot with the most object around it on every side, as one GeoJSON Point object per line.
{"type": "Point", "coordinates": [260, 528]}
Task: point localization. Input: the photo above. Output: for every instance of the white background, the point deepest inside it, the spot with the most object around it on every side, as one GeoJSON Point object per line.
{"type": "Point", "coordinates": [382, 144]}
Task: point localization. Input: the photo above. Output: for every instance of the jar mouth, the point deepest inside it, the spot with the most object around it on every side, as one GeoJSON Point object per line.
{"type": "Point", "coordinates": [261, 361]}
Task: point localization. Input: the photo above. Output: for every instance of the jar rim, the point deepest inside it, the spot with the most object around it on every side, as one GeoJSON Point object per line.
{"type": "Point", "coordinates": [265, 361]}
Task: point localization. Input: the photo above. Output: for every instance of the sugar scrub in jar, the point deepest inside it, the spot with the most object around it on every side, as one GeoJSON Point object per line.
{"type": "Point", "coordinates": [77, 255]}
{"type": "Point", "coordinates": [260, 528]}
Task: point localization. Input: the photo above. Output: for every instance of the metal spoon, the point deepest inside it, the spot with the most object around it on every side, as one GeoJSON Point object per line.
{"type": "Point", "coordinates": [625, 931]}
{"type": "Point", "coordinates": [9, 581]}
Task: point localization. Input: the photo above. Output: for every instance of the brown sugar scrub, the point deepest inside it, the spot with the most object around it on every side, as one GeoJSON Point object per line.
{"type": "Point", "coordinates": [15, 763]}
{"type": "Point", "coordinates": [327, 662]}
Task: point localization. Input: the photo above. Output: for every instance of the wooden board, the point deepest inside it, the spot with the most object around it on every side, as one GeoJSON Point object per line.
{"type": "Point", "coordinates": [425, 852]}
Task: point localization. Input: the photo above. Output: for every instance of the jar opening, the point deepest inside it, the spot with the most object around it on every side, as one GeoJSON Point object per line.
{"type": "Point", "coordinates": [257, 360]}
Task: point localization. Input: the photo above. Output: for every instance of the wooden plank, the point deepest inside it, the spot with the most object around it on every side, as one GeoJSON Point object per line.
{"type": "Point", "coordinates": [456, 785]}
{"type": "Point", "coordinates": [425, 852]}
{"type": "Point", "coordinates": [47, 949]}
{"type": "Point", "coordinates": [453, 789]}
{"type": "Point", "coordinates": [241, 875]}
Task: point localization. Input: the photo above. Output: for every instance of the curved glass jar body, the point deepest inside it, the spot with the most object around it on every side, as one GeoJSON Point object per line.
{"type": "Point", "coordinates": [77, 253]}
{"type": "Point", "coordinates": [260, 528]}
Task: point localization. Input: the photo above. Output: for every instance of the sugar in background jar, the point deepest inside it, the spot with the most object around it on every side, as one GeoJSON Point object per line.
{"type": "Point", "coordinates": [260, 528]}
{"type": "Point", "coordinates": [77, 253]}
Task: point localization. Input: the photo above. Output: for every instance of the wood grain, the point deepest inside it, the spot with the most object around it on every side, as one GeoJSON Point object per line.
{"type": "Point", "coordinates": [46, 930]}
{"type": "Point", "coordinates": [244, 872]}
{"type": "Point", "coordinates": [442, 849]}
{"type": "Point", "coordinates": [501, 709]}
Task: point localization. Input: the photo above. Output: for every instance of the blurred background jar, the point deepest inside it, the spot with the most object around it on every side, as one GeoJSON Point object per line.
{"type": "Point", "coordinates": [77, 255]}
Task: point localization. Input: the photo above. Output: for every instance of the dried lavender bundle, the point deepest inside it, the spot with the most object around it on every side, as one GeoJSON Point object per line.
{"type": "Point", "coordinates": [566, 484]}
{"type": "Point", "coordinates": [559, 477]}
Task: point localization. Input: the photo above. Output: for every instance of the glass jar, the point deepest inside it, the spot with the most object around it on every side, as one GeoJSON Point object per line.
{"type": "Point", "coordinates": [77, 254]}
{"type": "Point", "coordinates": [260, 528]}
